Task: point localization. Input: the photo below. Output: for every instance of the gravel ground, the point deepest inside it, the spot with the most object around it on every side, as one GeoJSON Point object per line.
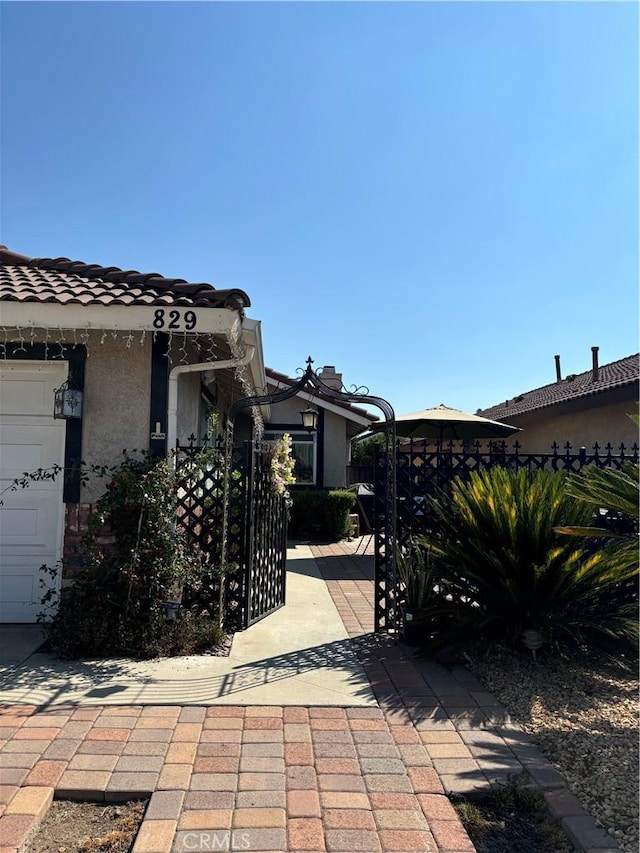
{"type": "Point", "coordinates": [583, 714]}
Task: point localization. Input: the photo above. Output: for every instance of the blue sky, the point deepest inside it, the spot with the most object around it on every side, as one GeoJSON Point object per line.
{"type": "Point", "coordinates": [435, 198]}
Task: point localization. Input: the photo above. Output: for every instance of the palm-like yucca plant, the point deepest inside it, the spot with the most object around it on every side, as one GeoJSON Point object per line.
{"type": "Point", "coordinates": [415, 575]}
{"type": "Point", "coordinates": [417, 593]}
{"type": "Point", "coordinates": [616, 491]}
{"type": "Point", "coordinates": [511, 574]}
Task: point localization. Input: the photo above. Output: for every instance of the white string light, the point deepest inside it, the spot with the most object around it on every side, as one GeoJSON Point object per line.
{"type": "Point", "coordinates": [211, 352]}
{"type": "Point", "coordinates": [60, 342]}
{"type": "Point", "coordinates": [22, 347]}
{"type": "Point", "coordinates": [206, 344]}
{"type": "Point", "coordinates": [184, 358]}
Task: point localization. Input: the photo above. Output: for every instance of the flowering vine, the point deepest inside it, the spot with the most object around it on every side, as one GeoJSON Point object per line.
{"type": "Point", "coordinates": [282, 464]}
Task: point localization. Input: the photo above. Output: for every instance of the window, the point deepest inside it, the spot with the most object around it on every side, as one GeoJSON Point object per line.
{"type": "Point", "coordinates": [303, 449]}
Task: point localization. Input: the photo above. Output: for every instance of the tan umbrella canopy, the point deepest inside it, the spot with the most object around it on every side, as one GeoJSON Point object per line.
{"type": "Point", "coordinates": [442, 423]}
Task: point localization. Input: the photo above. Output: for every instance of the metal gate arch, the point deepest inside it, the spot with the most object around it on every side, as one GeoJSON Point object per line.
{"type": "Point", "coordinates": [263, 570]}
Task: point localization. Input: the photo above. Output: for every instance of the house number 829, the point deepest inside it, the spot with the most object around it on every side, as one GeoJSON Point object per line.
{"type": "Point", "coordinates": [174, 319]}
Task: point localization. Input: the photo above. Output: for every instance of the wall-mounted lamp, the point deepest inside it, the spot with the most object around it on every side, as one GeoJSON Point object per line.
{"type": "Point", "coordinates": [67, 401]}
{"type": "Point", "coordinates": [309, 419]}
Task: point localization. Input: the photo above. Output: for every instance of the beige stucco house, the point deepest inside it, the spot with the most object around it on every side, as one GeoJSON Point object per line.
{"type": "Point", "coordinates": [321, 456]}
{"type": "Point", "coordinates": [582, 409]}
{"type": "Point", "coordinates": [152, 357]}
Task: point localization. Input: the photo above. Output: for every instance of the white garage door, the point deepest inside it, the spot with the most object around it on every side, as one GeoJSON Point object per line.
{"type": "Point", "coordinates": [31, 519]}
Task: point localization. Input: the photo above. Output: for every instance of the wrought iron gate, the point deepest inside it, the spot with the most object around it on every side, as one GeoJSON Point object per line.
{"type": "Point", "coordinates": [251, 584]}
{"type": "Point", "coordinates": [386, 582]}
{"type": "Point", "coordinates": [265, 552]}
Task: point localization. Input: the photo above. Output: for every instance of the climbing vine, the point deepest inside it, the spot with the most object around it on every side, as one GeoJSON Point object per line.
{"type": "Point", "coordinates": [282, 465]}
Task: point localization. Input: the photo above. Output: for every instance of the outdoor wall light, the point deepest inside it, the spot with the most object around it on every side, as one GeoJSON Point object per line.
{"type": "Point", "coordinates": [67, 401]}
{"type": "Point", "coordinates": [309, 419]}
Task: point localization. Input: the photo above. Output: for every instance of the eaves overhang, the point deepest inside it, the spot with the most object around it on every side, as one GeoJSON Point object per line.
{"type": "Point", "coordinates": [173, 320]}
{"type": "Point", "coordinates": [252, 336]}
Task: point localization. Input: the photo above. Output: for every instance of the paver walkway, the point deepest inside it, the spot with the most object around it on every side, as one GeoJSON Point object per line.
{"type": "Point", "coordinates": [282, 778]}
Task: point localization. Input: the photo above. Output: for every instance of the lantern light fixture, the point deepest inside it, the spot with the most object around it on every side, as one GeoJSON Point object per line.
{"type": "Point", "coordinates": [309, 420]}
{"type": "Point", "coordinates": [67, 401]}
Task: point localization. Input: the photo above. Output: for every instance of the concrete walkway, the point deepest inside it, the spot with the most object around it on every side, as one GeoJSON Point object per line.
{"type": "Point", "coordinates": [299, 655]}
{"type": "Point", "coordinates": [367, 774]}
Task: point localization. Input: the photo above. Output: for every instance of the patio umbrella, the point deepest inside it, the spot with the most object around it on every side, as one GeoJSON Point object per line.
{"type": "Point", "coordinates": [442, 423]}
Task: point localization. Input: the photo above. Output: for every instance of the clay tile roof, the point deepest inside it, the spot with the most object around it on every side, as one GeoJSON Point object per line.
{"type": "Point", "coordinates": [24, 279]}
{"type": "Point", "coordinates": [617, 374]}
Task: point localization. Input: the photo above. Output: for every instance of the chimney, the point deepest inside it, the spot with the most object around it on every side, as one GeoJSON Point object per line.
{"type": "Point", "coordinates": [558, 372]}
{"type": "Point", "coordinates": [596, 371]}
{"type": "Point", "coordinates": [329, 376]}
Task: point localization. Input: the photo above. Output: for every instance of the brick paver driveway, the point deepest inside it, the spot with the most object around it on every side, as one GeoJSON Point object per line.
{"type": "Point", "coordinates": [271, 778]}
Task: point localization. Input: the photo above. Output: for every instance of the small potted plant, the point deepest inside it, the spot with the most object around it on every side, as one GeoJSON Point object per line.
{"type": "Point", "coordinates": [416, 584]}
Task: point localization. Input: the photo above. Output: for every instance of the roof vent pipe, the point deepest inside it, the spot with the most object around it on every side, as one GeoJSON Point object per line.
{"type": "Point", "coordinates": [558, 372]}
{"type": "Point", "coordinates": [595, 372]}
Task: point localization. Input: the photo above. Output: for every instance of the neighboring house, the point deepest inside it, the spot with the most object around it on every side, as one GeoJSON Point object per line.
{"type": "Point", "coordinates": [152, 356]}
{"type": "Point", "coordinates": [322, 456]}
{"type": "Point", "coordinates": [582, 409]}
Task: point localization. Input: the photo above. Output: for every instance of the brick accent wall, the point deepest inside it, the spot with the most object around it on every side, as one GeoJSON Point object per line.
{"type": "Point", "coordinates": [76, 517]}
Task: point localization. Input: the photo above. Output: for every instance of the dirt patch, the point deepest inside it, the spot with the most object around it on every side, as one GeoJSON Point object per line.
{"type": "Point", "coordinates": [72, 827]}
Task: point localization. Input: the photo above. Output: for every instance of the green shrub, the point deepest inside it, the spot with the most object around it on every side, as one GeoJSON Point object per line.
{"type": "Point", "coordinates": [133, 558]}
{"type": "Point", "coordinates": [363, 452]}
{"type": "Point", "coordinates": [504, 569]}
{"type": "Point", "coordinates": [321, 514]}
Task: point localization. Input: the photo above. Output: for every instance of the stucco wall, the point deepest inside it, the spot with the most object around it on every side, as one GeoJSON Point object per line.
{"type": "Point", "coordinates": [601, 424]}
{"type": "Point", "coordinates": [288, 412]}
{"type": "Point", "coordinates": [334, 436]}
{"type": "Point", "coordinates": [189, 407]}
{"type": "Point", "coordinates": [335, 450]}
{"type": "Point", "coordinates": [117, 396]}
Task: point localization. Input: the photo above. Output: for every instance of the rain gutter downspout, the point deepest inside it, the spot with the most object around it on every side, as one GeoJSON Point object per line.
{"type": "Point", "coordinates": [200, 367]}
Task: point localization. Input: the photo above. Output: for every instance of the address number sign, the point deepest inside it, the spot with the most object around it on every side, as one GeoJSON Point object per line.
{"type": "Point", "coordinates": [174, 320]}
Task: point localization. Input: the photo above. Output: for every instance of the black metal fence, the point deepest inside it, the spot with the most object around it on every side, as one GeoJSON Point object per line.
{"type": "Point", "coordinates": [450, 459]}
{"type": "Point", "coordinates": [425, 472]}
